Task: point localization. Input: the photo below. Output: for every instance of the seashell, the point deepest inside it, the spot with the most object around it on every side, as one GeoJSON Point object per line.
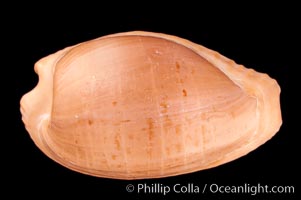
{"type": "Point", "coordinates": [145, 105]}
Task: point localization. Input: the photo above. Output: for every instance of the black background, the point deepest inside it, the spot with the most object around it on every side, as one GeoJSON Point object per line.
{"type": "Point", "coordinates": [259, 38]}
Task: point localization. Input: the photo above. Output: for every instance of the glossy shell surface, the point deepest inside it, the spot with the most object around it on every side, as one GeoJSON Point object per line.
{"type": "Point", "coordinates": [145, 105]}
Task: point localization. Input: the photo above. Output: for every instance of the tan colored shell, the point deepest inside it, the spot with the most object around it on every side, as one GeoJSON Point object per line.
{"type": "Point", "coordinates": [143, 105]}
